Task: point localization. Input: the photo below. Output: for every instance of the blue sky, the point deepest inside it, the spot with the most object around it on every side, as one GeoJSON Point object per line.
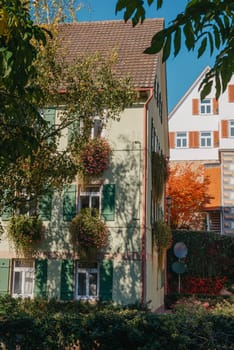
{"type": "Point", "coordinates": [182, 70]}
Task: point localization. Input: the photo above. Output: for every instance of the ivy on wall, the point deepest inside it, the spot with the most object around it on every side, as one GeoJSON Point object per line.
{"type": "Point", "coordinates": [162, 238]}
{"type": "Point", "coordinates": [159, 174]}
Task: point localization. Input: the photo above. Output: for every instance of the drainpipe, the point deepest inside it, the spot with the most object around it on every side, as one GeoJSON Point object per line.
{"type": "Point", "coordinates": [144, 178]}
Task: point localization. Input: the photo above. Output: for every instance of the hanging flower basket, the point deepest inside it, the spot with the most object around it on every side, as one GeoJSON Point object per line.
{"type": "Point", "coordinates": [88, 230]}
{"type": "Point", "coordinates": [94, 157]}
{"type": "Point", "coordinates": [26, 232]}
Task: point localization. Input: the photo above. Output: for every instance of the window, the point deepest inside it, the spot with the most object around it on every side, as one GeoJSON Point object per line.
{"type": "Point", "coordinates": [87, 277]}
{"type": "Point", "coordinates": [160, 107]}
{"type": "Point", "coordinates": [181, 140]}
{"type": "Point", "coordinates": [89, 198]}
{"type": "Point", "coordinates": [205, 139]}
{"type": "Point", "coordinates": [231, 128]}
{"type": "Point", "coordinates": [97, 128]}
{"type": "Point", "coordinates": [23, 277]}
{"type": "Point", "coordinates": [205, 106]}
{"type": "Point", "coordinates": [32, 206]}
{"type": "Point", "coordinates": [27, 204]}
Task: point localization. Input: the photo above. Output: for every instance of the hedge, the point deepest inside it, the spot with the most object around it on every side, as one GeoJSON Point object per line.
{"type": "Point", "coordinates": [209, 262]}
{"type": "Point", "coordinates": [105, 327]}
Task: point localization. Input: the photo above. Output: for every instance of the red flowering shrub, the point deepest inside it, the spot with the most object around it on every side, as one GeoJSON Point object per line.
{"type": "Point", "coordinates": [88, 230]}
{"type": "Point", "coordinates": [198, 285]}
{"type": "Point", "coordinates": [94, 157]}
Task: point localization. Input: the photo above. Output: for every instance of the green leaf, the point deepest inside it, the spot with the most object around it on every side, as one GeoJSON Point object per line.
{"type": "Point", "coordinates": [133, 9]}
{"type": "Point", "coordinates": [225, 73]}
{"type": "Point", "coordinates": [211, 43]}
{"type": "Point", "coordinates": [120, 5]}
{"type": "Point", "coordinates": [167, 48]}
{"type": "Point", "coordinates": [202, 47]}
{"type": "Point", "coordinates": [217, 37]}
{"type": "Point", "coordinates": [206, 89]}
{"type": "Point", "coordinates": [159, 4]}
{"type": "Point", "coordinates": [177, 41]}
{"type": "Point", "coordinates": [217, 85]}
{"type": "Point", "coordinates": [189, 36]}
{"type": "Point", "coordinates": [157, 42]}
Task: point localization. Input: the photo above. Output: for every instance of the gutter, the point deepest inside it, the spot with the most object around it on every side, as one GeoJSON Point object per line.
{"type": "Point", "coordinates": [144, 178]}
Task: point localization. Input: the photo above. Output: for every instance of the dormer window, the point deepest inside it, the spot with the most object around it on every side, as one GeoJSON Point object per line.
{"type": "Point", "coordinates": [205, 106]}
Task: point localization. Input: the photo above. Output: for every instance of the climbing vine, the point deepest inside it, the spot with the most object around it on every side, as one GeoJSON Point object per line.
{"type": "Point", "coordinates": [159, 174]}
{"type": "Point", "coordinates": [162, 238]}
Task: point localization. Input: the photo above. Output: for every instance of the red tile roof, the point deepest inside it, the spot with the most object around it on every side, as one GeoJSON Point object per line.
{"type": "Point", "coordinates": [84, 38]}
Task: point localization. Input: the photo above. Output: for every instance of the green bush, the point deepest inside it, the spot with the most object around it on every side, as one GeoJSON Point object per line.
{"type": "Point", "coordinates": [210, 255]}
{"type": "Point", "coordinates": [59, 326]}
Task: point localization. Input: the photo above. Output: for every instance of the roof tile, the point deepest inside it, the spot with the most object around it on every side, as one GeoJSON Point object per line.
{"type": "Point", "coordinates": [85, 38]}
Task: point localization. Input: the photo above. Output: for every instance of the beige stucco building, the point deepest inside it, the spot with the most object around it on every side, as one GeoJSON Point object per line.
{"type": "Point", "coordinates": [127, 270]}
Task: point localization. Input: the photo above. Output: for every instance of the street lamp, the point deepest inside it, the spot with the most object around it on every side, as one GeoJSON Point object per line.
{"type": "Point", "coordinates": [168, 203]}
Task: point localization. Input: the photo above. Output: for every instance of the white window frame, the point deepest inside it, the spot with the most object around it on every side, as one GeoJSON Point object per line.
{"type": "Point", "coordinates": [206, 106]}
{"type": "Point", "coordinates": [84, 192]}
{"type": "Point", "coordinates": [81, 268]}
{"type": "Point", "coordinates": [97, 128]}
{"type": "Point", "coordinates": [206, 138]}
{"type": "Point", "coordinates": [231, 128]}
{"type": "Point", "coordinates": [181, 139]}
{"type": "Point", "coordinates": [29, 207]}
{"type": "Point", "coordinates": [28, 267]}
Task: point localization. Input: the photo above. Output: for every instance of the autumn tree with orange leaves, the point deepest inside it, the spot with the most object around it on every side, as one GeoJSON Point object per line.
{"type": "Point", "coordinates": [188, 188]}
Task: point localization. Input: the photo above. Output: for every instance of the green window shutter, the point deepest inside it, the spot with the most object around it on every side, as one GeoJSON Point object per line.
{"type": "Point", "coordinates": [49, 115]}
{"type": "Point", "coordinates": [4, 275]}
{"type": "Point", "coordinates": [67, 280]}
{"type": "Point", "coordinates": [108, 202]}
{"type": "Point", "coordinates": [106, 280]}
{"type": "Point", "coordinates": [45, 206]}
{"type": "Point", "coordinates": [69, 202]}
{"type": "Point", "coordinates": [7, 213]}
{"type": "Point", "coordinates": [40, 278]}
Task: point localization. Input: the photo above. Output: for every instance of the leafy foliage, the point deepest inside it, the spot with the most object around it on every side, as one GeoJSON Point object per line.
{"type": "Point", "coordinates": [87, 88]}
{"type": "Point", "coordinates": [55, 11]}
{"type": "Point", "coordinates": [203, 25]}
{"type": "Point", "coordinates": [56, 325]}
{"type": "Point", "coordinates": [188, 189]}
{"type": "Point", "coordinates": [159, 174]}
{"type": "Point", "coordinates": [18, 91]}
{"type": "Point", "coordinates": [26, 232]}
{"type": "Point", "coordinates": [88, 230]}
{"type": "Point", "coordinates": [210, 257]}
{"type": "Point", "coordinates": [162, 237]}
